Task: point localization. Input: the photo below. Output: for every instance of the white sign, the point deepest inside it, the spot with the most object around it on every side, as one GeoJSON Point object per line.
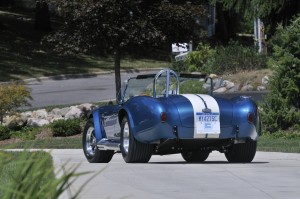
{"type": "Point", "coordinates": [179, 47]}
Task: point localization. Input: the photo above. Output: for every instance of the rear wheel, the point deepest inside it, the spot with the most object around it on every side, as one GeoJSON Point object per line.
{"type": "Point", "coordinates": [132, 150]}
{"type": "Point", "coordinates": [89, 144]}
{"type": "Point", "coordinates": [241, 153]}
{"type": "Point", "coordinates": [195, 156]}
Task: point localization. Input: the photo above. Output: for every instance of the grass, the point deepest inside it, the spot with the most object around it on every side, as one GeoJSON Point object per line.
{"type": "Point", "coordinates": [22, 55]}
{"type": "Point", "coordinates": [264, 144]}
{"type": "Point", "coordinates": [49, 143]}
{"type": "Point", "coordinates": [279, 144]}
{"type": "Point", "coordinates": [11, 164]}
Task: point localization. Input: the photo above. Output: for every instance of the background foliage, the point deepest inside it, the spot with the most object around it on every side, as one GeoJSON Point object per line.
{"type": "Point", "coordinates": [12, 96]}
{"type": "Point", "coordinates": [282, 107]}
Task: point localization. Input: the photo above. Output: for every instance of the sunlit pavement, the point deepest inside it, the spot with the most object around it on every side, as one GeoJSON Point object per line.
{"type": "Point", "coordinates": [270, 175]}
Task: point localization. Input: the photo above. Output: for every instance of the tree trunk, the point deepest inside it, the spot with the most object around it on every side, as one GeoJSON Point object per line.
{"type": "Point", "coordinates": [117, 60]}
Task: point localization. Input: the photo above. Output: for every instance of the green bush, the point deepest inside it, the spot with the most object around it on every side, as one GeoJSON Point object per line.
{"type": "Point", "coordinates": [4, 133]}
{"type": "Point", "coordinates": [192, 87]}
{"type": "Point", "coordinates": [180, 66]}
{"type": "Point", "coordinates": [27, 133]}
{"type": "Point", "coordinates": [223, 59]}
{"type": "Point", "coordinates": [282, 108]}
{"type": "Point", "coordinates": [197, 60]}
{"type": "Point", "coordinates": [12, 96]}
{"type": "Point", "coordinates": [66, 127]}
{"type": "Point", "coordinates": [234, 58]}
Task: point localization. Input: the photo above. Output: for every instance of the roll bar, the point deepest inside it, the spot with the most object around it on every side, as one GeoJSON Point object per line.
{"type": "Point", "coordinates": [168, 71]}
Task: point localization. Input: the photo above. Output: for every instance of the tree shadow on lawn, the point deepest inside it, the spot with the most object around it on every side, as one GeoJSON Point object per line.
{"type": "Point", "coordinates": [23, 56]}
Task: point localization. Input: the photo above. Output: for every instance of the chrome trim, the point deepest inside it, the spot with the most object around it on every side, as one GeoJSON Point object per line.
{"type": "Point", "coordinates": [106, 144]}
{"type": "Point", "coordinates": [126, 133]}
{"type": "Point", "coordinates": [90, 141]}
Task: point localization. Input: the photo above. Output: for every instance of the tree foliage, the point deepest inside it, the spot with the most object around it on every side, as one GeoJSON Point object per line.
{"type": "Point", "coordinates": [270, 11]}
{"type": "Point", "coordinates": [282, 107]}
{"type": "Point", "coordinates": [253, 8]}
{"type": "Point", "coordinates": [114, 24]}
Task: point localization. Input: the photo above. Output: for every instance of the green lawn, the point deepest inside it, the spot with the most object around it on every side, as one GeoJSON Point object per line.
{"type": "Point", "coordinates": [22, 55]}
{"type": "Point", "coordinates": [279, 145]}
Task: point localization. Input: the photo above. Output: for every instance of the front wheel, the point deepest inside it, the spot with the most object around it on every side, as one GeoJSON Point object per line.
{"type": "Point", "coordinates": [195, 156]}
{"type": "Point", "coordinates": [241, 153]}
{"type": "Point", "coordinates": [89, 144]}
{"type": "Point", "coordinates": [132, 150]}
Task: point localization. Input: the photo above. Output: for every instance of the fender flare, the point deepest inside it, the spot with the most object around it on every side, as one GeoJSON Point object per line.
{"type": "Point", "coordinates": [125, 112]}
{"type": "Point", "coordinates": [99, 129]}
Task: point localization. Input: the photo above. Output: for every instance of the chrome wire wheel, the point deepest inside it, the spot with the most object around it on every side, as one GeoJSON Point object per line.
{"type": "Point", "coordinates": [126, 137]}
{"type": "Point", "coordinates": [91, 141]}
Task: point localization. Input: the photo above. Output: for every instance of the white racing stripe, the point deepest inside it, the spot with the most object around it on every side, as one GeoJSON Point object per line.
{"type": "Point", "coordinates": [206, 125]}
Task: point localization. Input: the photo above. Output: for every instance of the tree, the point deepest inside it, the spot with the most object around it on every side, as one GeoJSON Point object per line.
{"type": "Point", "coordinates": [239, 11]}
{"type": "Point", "coordinates": [115, 24]}
{"type": "Point", "coordinates": [282, 107]}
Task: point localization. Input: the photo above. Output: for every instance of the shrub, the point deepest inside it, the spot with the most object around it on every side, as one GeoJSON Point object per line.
{"type": "Point", "coordinates": [27, 133]}
{"type": "Point", "coordinates": [12, 96]}
{"type": "Point", "coordinates": [231, 58]}
{"type": "Point", "coordinates": [282, 107]}
{"type": "Point", "coordinates": [192, 86]}
{"type": "Point", "coordinates": [66, 127]}
{"type": "Point", "coordinates": [4, 133]}
{"type": "Point", "coordinates": [180, 66]}
{"type": "Point", "coordinates": [197, 60]}
{"type": "Point", "coordinates": [234, 58]}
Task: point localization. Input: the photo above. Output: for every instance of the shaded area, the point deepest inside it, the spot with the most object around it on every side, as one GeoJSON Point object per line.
{"type": "Point", "coordinates": [22, 55]}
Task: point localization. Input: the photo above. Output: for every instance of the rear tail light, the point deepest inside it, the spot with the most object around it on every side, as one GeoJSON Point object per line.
{"type": "Point", "coordinates": [250, 118]}
{"type": "Point", "coordinates": [163, 117]}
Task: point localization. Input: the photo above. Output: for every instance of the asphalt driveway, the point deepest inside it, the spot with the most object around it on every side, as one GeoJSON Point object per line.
{"type": "Point", "coordinates": [270, 175]}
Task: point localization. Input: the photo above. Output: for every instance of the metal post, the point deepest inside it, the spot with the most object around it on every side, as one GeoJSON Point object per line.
{"type": "Point", "coordinates": [259, 35]}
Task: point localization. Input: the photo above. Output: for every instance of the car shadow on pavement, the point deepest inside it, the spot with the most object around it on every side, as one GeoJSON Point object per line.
{"type": "Point", "coordinates": [208, 162]}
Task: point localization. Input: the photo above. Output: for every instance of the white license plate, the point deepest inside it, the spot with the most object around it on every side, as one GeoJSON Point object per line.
{"type": "Point", "coordinates": [208, 123]}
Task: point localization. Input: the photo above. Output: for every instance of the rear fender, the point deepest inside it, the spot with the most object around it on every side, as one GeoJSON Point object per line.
{"type": "Point", "coordinates": [243, 106]}
{"type": "Point", "coordinates": [144, 115]}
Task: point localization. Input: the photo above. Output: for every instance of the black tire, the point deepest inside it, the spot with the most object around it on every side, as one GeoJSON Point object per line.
{"type": "Point", "coordinates": [195, 156]}
{"type": "Point", "coordinates": [241, 153]}
{"type": "Point", "coordinates": [132, 150]}
{"type": "Point", "coordinates": [91, 152]}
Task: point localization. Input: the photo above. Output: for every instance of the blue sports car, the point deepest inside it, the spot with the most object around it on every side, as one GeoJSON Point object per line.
{"type": "Point", "coordinates": [166, 113]}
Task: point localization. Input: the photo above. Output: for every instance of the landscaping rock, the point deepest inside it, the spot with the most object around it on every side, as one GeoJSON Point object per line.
{"type": "Point", "coordinates": [33, 122]}
{"type": "Point", "coordinates": [55, 111]}
{"type": "Point", "coordinates": [16, 122]}
{"type": "Point", "coordinates": [40, 114]}
{"type": "Point", "coordinates": [220, 90]}
{"type": "Point", "coordinates": [265, 80]}
{"type": "Point", "coordinates": [86, 108]}
{"type": "Point", "coordinates": [217, 83]}
{"type": "Point", "coordinates": [261, 88]}
{"type": "Point", "coordinates": [73, 113]}
{"type": "Point", "coordinates": [64, 111]}
{"type": "Point", "coordinates": [247, 87]}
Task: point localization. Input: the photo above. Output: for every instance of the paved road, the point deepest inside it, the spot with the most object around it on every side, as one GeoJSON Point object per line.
{"type": "Point", "coordinates": [76, 90]}
{"type": "Point", "coordinates": [89, 89]}
{"type": "Point", "coordinates": [270, 175]}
